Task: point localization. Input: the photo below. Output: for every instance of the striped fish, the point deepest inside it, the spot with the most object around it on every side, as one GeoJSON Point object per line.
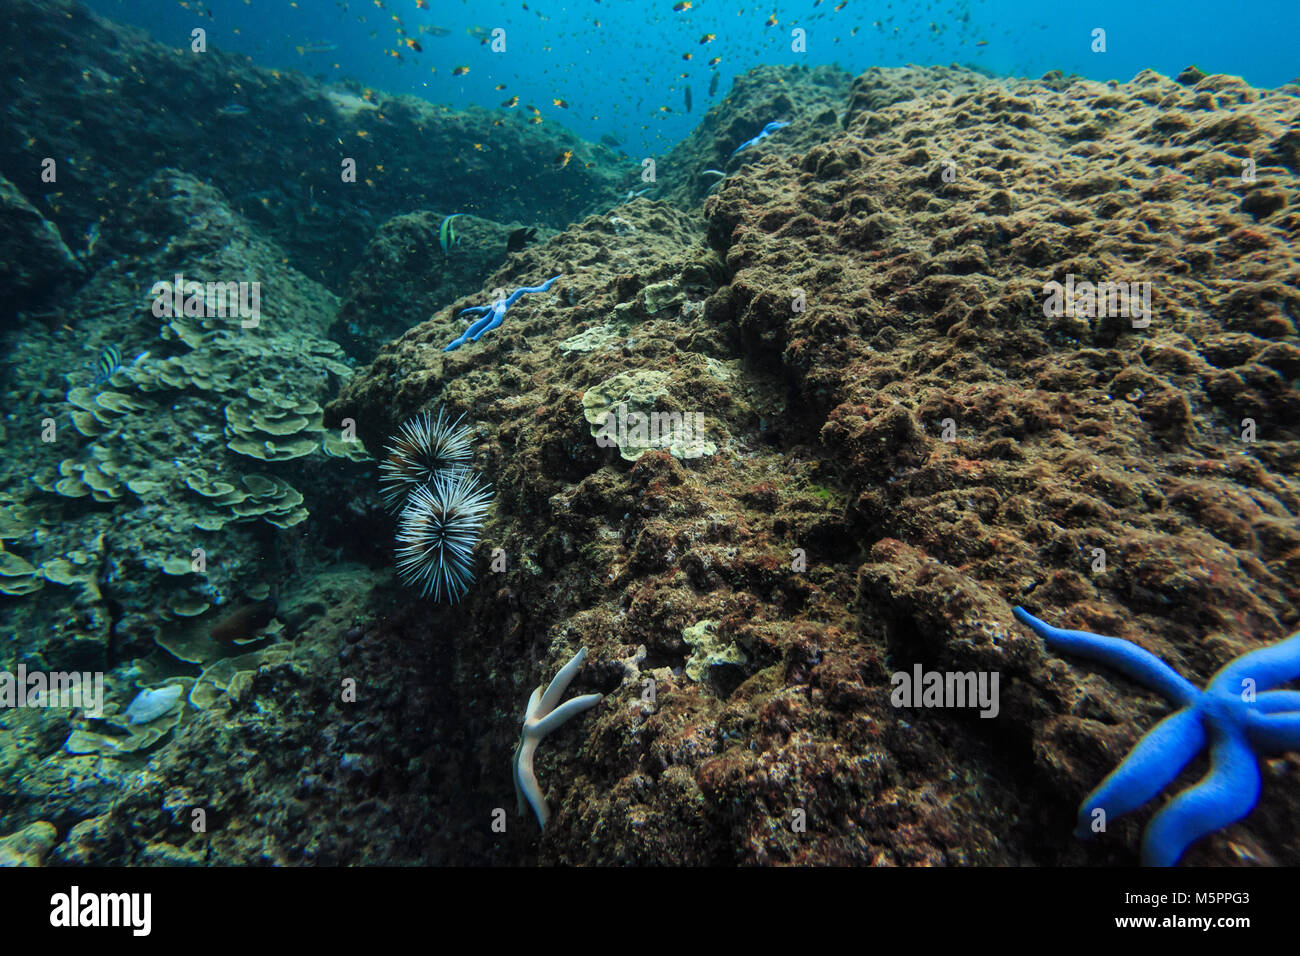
{"type": "Point", "coordinates": [447, 234]}
{"type": "Point", "coordinates": [109, 361]}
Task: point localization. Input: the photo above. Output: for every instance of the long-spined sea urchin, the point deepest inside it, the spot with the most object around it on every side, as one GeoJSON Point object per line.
{"type": "Point", "coordinates": [424, 448]}
{"type": "Point", "coordinates": [437, 532]}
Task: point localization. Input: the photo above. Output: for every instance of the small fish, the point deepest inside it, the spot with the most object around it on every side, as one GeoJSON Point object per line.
{"type": "Point", "coordinates": [713, 84]}
{"type": "Point", "coordinates": [715, 61]}
{"type": "Point", "coordinates": [499, 87]}
{"type": "Point", "coordinates": [563, 159]}
{"type": "Point", "coordinates": [109, 361]}
{"type": "Point", "coordinates": [560, 103]}
{"type": "Point", "coordinates": [233, 109]}
{"type": "Point", "coordinates": [149, 705]}
{"type": "Point", "coordinates": [414, 45]}
{"type": "Point", "coordinates": [434, 31]}
{"type": "Point", "coordinates": [244, 624]}
{"type": "Point", "coordinates": [321, 47]}
{"type": "Point", "coordinates": [681, 7]}
{"type": "Point", "coordinates": [447, 234]}
{"type": "Point", "coordinates": [422, 4]}
{"type": "Point", "coordinates": [520, 238]}
{"type": "Point", "coordinates": [707, 38]}
{"type": "Point", "coordinates": [511, 103]}
{"type": "Point", "coordinates": [771, 21]}
{"type": "Point", "coordinates": [688, 99]}
{"type": "Point", "coordinates": [533, 109]}
{"type": "Point", "coordinates": [687, 56]}
{"type": "Point", "coordinates": [482, 34]}
{"type": "Point", "coordinates": [981, 42]}
{"type": "Point", "coordinates": [460, 71]}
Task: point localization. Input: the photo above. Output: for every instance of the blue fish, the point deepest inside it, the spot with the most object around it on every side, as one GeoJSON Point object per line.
{"type": "Point", "coordinates": [768, 130]}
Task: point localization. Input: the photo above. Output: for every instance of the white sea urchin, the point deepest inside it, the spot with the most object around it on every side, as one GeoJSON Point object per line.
{"type": "Point", "coordinates": [437, 532]}
{"type": "Point", "coordinates": [424, 448]}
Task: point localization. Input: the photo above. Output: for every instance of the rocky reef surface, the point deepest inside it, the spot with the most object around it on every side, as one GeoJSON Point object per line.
{"type": "Point", "coordinates": [890, 445]}
{"type": "Point", "coordinates": [906, 447]}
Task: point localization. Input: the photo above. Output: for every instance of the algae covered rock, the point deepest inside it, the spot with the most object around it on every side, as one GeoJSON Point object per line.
{"type": "Point", "coordinates": [29, 846]}
{"type": "Point", "coordinates": [405, 275]}
{"type": "Point", "coordinates": [33, 257]}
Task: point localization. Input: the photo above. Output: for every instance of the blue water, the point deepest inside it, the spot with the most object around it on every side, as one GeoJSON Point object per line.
{"type": "Point", "coordinates": [620, 66]}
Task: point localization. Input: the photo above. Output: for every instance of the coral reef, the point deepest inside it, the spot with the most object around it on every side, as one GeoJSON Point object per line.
{"type": "Point", "coordinates": [899, 442]}
{"type": "Point", "coordinates": [123, 504]}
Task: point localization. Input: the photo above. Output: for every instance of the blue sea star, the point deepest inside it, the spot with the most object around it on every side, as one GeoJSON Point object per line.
{"type": "Point", "coordinates": [768, 130]}
{"type": "Point", "coordinates": [1230, 715]}
{"type": "Point", "coordinates": [494, 314]}
{"type": "Point", "coordinates": [544, 714]}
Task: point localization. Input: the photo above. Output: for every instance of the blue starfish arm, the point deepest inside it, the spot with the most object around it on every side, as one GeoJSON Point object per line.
{"type": "Point", "coordinates": [1275, 701]}
{"type": "Point", "coordinates": [476, 310]}
{"type": "Point", "coordinates": [568, 709]}
{"type": "Point", "coordinates": [486, 324]}
{"type": "Point", "coordinates": [1274, 733]}
{"type": "Point", "coordinates": [472, 333]}
{"type": "Point", "coordinates": [1267, 667]}
{"type": "Point", "coordinates": [1156, 760]}
{"type": "Point", "coordinates": [1124, 656]}
{"type": "Point", "coordinates": [526, 289]}
{"type": "Point", "coordinates": [560, 682]}
{"type": "Point", "coordinates": [768, 130]}
{"type": "Point", "coordinates": [1226, 794]}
